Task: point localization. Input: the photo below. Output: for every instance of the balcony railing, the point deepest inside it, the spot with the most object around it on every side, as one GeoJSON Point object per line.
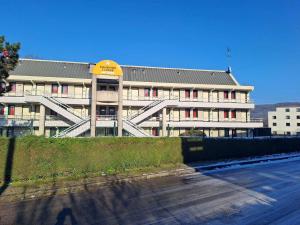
{"type": "Point", "coordinates": [184, 99]}
{"type": "Point", "coordinates": [19, 117]}
{"type": "Point", "coordinates": [106, 117]}
{"type": "Point", "coordinates": [44, 93]}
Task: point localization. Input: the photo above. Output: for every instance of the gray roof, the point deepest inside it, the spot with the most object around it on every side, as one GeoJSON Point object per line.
{"type": "Point", "coordinates": [52, 69]}
{"type": "Point", "coordinates": [173, 75]}
{"type": "Point", "coordinates": [131, 73]}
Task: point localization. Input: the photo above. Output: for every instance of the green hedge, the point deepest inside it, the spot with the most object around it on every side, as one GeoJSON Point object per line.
{"type": "Point", "coordinates": [38, 157]}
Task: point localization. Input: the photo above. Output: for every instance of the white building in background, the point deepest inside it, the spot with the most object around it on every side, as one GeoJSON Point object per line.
{"type": "Point", "coordinates": [56, 98]}
{"type": "Point", "coordinates": [285, 121]}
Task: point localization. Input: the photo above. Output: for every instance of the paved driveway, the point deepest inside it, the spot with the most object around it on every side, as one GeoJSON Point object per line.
{"type": "Point", "coordinates": [264, 194]}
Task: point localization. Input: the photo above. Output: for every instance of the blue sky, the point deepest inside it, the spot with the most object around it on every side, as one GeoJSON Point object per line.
{"type": "Point", "coordinates": [263, 35]}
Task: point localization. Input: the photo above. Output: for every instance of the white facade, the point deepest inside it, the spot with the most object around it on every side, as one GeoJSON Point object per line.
{"type": "Point", "coordinates": [61, 106]}
{"type": "Point", "coordinates": [285, 121]}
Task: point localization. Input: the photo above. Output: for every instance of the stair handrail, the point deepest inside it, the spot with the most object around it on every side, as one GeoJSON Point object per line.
{"type": "Point", "coordinates": [143, 109]}
{"type": "Point", "coordinates": [135, 126]}
{"type": "Point", "coordinates": [56, 101]}
{"type": "Point", "coordinates": [70, 128]}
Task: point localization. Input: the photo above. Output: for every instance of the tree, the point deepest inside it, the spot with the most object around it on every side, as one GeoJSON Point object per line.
{"type": "Point", "coordinates": [9, 58]}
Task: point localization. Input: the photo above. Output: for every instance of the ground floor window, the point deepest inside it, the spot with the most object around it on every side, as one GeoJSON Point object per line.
{"type": "Point", "coordinates": [155, 131]}
{"type": "Point", "coordinates": [52, 131]}
{"type": "Point", "coordinates": [106, 131]}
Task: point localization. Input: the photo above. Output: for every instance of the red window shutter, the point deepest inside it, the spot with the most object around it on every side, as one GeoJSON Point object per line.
{"type": "Point", "coordinates": [146, 92]}
{"type": "Point", "coordinates": [195, 94]}
{"type": "Point", "coordinates": [54, 88]}
{"type": "Point", "coordinates": [187, 113]}
{"type": "Point", "coordinates": [11, 110]}
{"type": "Point", "coordinates": [226, 114]}
{"type": "Point", "coordinates": [13, 87]}
{"type": "Point", "coordinates": [225, 94]}
{"type": "Point", "coordinates": [195, 113]}
{"type": "Point", "coordinates": [233, 95]}
{"type": "Point", "coordinates": [154, 92]}
{"type": "Point", "coordinates": [187, 93]}
{"type": "Point", "coordinates": [154, 131]}
{"type": "Point", "coordinates": [64, 89]}
{"type": "Point", "coordinates": [233, 114]}
{"type": "Point", "coordinates": [1, 110]}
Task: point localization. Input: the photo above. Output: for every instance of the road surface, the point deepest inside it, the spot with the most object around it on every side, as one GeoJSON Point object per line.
{"type": "Point", "coordinates": [263, 194]}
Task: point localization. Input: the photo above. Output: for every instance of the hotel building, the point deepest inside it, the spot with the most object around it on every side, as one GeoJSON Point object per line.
{"type": "Point", "coordinates": [285, 121]}
{"type": "Point", "coordinates": [70, 99]}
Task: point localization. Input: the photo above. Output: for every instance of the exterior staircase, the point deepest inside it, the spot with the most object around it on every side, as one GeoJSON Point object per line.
{"type": "Point", "coordinates": [133, 129]}
{"type": "Point", "coordinates": [131, 123]}
{"type": "Point", "coordinates": [55, 105]}
{"type": "Point", "coordinates": [80, 125]}
{"type": "Point", "coordinates": [76, 129]}
{"type": "Point", "coordinates": [152, 108]}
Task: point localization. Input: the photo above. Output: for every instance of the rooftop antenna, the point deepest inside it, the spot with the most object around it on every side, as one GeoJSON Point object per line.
{"type": "Point", "coordinates": [228, 56]}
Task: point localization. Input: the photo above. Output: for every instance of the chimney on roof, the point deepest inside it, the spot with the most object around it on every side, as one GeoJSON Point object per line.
{"type": "Point", "coordinates": [228, 69]}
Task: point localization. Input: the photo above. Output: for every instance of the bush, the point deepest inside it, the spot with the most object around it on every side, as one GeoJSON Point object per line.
{"type": "Point", "coordinates": [193, 133]}
{"type": "Point", "coordinates": [39, 157]}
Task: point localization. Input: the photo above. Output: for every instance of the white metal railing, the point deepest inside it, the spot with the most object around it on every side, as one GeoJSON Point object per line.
{"type": "Point", "coordinates": [71, 128]}
{"type": "Point", "coordinates": [106, 117]}
{"type": "Point", "coordinates": [43, 93]}
{"type": "Point", "coordinates": [57, 102]}
{"type": "Point", "coordinates": [133, 125]}
{"type": "Point", "coordinates": [145, 108]}
{"type": "Point", "coordinates": [19, 117]}
{"type": "Point", "coordinates": [214, 120]}
{"type": "Point", "coordinates": [189, 99]}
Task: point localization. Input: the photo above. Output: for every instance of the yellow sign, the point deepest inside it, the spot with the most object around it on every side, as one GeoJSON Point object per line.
{"type": "Point", "coordinates": [107, 67]}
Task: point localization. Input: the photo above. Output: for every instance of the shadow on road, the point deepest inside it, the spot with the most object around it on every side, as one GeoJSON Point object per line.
{"type": "Point", "coordinates": [8, 165]}
{"type": "Point", "coordinates": [63, 215]}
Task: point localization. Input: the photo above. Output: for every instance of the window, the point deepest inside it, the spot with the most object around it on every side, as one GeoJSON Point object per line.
{"type": "Point", "coordinates": [154, 92]}
{"type": "Point", "coordinates": [274, 124]}
{"type": "Point", "coordinates": [195, 113]}
{"type": "Point", "coordinates": [195, 94]}
{"type": "Point", "coordinates": [54, 89]}
{"type": "Point", "coordinates": [298, 117]}
{"type": "Point", "coordinates": [226, 114]}
{"type": "Point", "coordinates": [274, 117]}
{"type": "Point", "coordinates": [187, 93]}
{"type": "Point", "coordinates": [233, 95]}
{"type": "Point", "coordinates": [288, 133]}
{"type": "Point", "coordinates": [64, 89]}
{"type": "Point", "coordinates": [287, 110]}
{"type": "Point", "coordinates": [13, 86]}
{"type": "Point", "coordinates": [112, 111]}
{"type": "Point", "coordinates": [155, 131]}
{"type": "Point", "coordinates": [233, 114]}
{"type": "Point", "coordinates": [298, 110]}
{"type": "Point", "coordinates": [102, 88]}
{"type": "Point", "coordinates": [146, 92]}
{"type": "Point", "coordinates": [288, 117]}
{"type": "Point", "coordinates": [187, 113]}
{"type": "Point", "coordinates": [1, 110]}
{"type": "Point", "coordinates": [11, 110]}
{"type": "Point", "coordinates": [298, 124]}
{"type": "Point", "coordinates": [288, 124]}
{"type": "Point", "coordinates": [111, 88]}
{"type": "Point", "coordinates": [225, 94]}
{"type": "Point", "coordinates": [102, 111]}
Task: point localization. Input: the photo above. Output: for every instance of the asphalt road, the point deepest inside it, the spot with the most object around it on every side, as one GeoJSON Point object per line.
{"type": "Point", "coordinates": [264, 194]}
